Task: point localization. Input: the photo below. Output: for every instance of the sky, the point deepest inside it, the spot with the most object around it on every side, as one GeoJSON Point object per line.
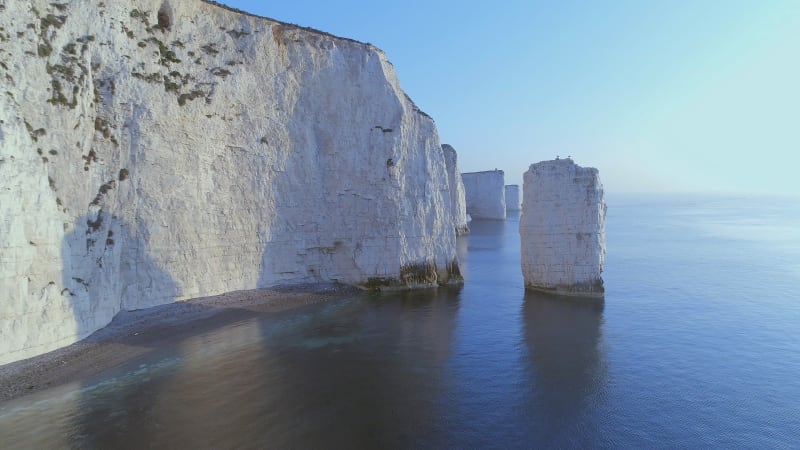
{"type": "Point", "coordinates": [660, 96]}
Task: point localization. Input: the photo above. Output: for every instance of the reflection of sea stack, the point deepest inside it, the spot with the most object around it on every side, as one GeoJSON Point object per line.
{"type": "Point", "coordinates": [563, 229]}
{"type": "Point", "coordinates": [564, 339]}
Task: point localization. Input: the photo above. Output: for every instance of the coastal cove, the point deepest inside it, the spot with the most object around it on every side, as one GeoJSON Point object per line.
{"type": "Point", "coordinates": [694, 346]}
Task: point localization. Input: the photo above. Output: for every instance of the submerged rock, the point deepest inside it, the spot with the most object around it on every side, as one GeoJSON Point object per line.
{"type": "Point", "coordinates": [458, 200]}
{"type": "Point", "coordinates": [562, 229]}
{"type": "Point", "coordinates": [153, 151]}
{"type": "Point", "coordinates": [485, 192]}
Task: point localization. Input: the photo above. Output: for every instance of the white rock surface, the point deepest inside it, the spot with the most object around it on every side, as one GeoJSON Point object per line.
{"type": "Point", "coordinates": [142, 164]}
{"type": "Point", "coordinates": [562, 228]}
{"type": "Point", "coordinates": [458, 199]}
{"type": "Point", "coordinates": [512, 198]}
{"type": "Point", "coordinates": [485, 191]}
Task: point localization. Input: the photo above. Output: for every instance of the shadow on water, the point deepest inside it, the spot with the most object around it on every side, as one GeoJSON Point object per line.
{"type": "Point", "coordinates": [564, 338]}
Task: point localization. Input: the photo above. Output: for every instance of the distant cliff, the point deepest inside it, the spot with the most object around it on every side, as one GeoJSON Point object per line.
{"type": "Point", "coordinates": [485, 193]}
{"type": "Point", "coordinates": [154, 151]}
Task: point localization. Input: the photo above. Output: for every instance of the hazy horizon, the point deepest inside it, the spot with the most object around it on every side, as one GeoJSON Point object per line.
{"type": "Point", "coordinates": [660, 97]}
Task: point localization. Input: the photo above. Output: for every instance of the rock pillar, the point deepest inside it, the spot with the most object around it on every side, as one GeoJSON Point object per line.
{"type": "Point", "coordinates": [512, 198]}
{"type": "Point", "coordinates": [562, 229]}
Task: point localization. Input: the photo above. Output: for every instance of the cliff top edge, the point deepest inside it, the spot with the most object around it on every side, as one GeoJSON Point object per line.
{"type": "Point", "coordinates": [289, 24]}
{"type": "Point", "coordinates": [482, 171]}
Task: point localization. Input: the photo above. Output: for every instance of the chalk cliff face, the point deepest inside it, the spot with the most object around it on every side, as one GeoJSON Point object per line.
{"type": "Point", "coordinates": [485, 191]}
{"type": "Point", "coordinates": [154, 151]}
{"type": "Point", "coordinates": [512, 198]}
{"type": "Point", "coordinates": [562, 228]}
{"type": "Point", "coordinates": [458, 200]}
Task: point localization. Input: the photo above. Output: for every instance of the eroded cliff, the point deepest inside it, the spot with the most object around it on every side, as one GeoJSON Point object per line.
{"type": "Point", "coordinates": [155, 151]}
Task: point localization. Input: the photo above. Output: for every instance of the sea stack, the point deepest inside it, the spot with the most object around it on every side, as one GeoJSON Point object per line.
{"type": "Point", "coordinates": [562, 229]}
{"type": "Point", "coordinates": [512, 198]}
{"type": "Point", "coordinates": [486, 197]}
{"type": "Point", "coordinates": [458, 199]}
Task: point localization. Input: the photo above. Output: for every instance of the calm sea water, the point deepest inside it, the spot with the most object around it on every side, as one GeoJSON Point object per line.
{"type": "Point", "coordinates": [697, 344]}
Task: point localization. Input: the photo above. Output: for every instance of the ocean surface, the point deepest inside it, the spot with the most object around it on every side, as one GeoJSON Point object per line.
{"type": "Point", "coordinates": [697, 344]}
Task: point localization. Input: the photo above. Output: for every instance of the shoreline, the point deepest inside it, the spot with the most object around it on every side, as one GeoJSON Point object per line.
{"type": "Point", "coordinates": [135, 333]}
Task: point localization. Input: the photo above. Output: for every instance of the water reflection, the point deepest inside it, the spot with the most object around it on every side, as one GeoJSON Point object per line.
{"type": "Point", "coordinates": [486, 235]}
{"type": "Point", "coordinates": [489, 255]}
{"type": "Point", "coordinates": [369, 376]}
{"type": "Point", "coordinates": [563, 338]}
{"type": "Point", "coordinates": [16, 422]}
{"type": "Point", "coordinates": [365, 372]}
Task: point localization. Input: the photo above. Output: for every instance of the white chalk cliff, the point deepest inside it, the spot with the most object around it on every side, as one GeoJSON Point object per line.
{"type": "Point", "coordinates": [154, 151]}
{"type": "Point", "coordinates": [485, 191]}
{"type": "Point", "coordinates": [458, 200]}
{"type": "Point", "coordinates": [562, 229]}
{"type": "Point", "coordinates": [512, 198]}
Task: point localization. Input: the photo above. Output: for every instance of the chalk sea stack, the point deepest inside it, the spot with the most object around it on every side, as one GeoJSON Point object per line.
{"type": "Point", "coordinates": [562, 229]}
{"type": "Point", "coordinates": [153, 151]}
{"type": "Point", "coordinates": [512, 198]}
{"type": "Point", "coordinates": [485, 191]}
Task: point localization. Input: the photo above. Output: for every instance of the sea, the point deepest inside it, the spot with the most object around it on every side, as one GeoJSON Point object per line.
{"type": "Point", "coordinates": [696, 345]}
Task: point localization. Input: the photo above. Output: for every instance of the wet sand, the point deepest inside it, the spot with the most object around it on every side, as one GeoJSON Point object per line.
{"type": "Point", "coordinates": [134, 333]}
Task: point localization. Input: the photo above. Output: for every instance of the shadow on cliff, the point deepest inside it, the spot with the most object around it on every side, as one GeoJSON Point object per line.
{"type": "Point", "coordinates": [564, 339]}
{"type": "Point", "coordinates": [106, 270]}
{"type": "Point", "coordinates": [102, 265]}
{"type": "Point", "coordinates": [115, 289]}
{"type": "Point", "coordinates": [103, 268]}
{"type": "Point", "coordinates": [163, 347]}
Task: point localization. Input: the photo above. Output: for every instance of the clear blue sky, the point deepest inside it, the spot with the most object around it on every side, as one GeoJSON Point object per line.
{"type": "Point", "coordinates": [659, 95]}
